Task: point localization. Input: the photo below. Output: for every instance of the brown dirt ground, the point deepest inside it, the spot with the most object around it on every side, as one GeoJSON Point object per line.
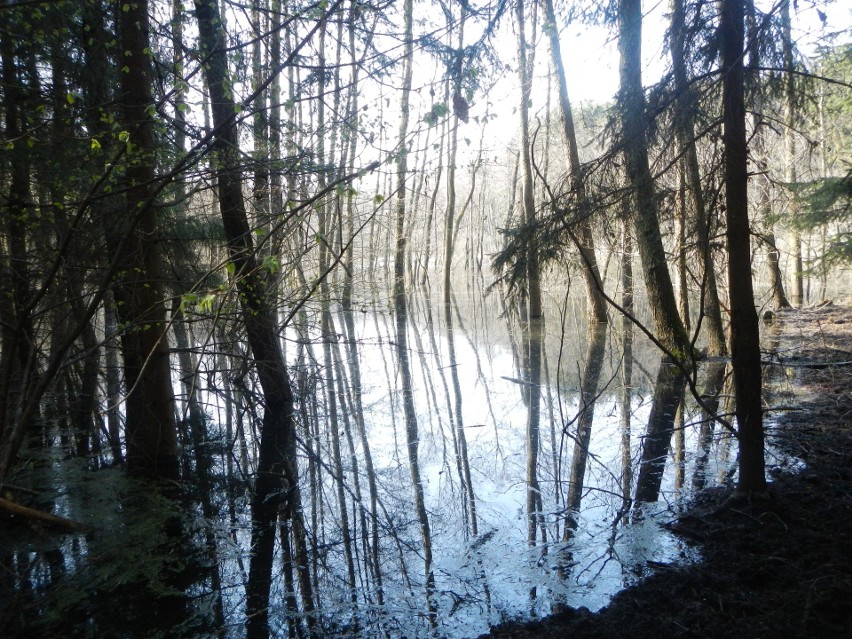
{"type": "Point", "coordinates": [778, 568]}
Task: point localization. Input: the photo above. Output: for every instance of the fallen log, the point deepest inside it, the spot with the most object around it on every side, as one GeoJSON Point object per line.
{"type": "Point", "coordinates": [54, 521]}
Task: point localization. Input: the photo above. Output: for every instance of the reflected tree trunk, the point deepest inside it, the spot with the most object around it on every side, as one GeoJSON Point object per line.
{"type": "Point", "coordinates": [626, 394]}
{"type": "Point", "coordinates": [668, 395]}
{"type": "Point", "coordinates": [401, 313]}
{"type": "Point", "coordinates": [453, 217]}
{"type": "Point", "coordinates": [277, 483]}
{"type": "Point", "coordinates": [532, 315]}
{"type": "Point", "coordinates": [625, 410]}
{"type": "Point", "coordinates": [680, 446]}
{"type": "Point", "coordinates": [329, 334]}
{"type": "Point", "coordinates": [348, 314]}
{"type": "Point", "coordinates": [596, 343]}
{"type": "Point", "coordinates": [713, 384]}
{"type": "Point", "coordinates": [203, 475]}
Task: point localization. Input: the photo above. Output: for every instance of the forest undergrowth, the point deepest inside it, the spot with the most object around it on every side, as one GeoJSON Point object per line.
{"type": "Point", "coordinates": [770, 568]}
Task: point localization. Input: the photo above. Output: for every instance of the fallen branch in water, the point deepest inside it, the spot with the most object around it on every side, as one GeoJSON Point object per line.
{"type": "Point", "coordinates": [45, 518]}
{"type": "Point", "coordinates": [814, 365]}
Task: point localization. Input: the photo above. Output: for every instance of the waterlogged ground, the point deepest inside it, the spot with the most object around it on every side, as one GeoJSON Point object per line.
{"type": "Point", "coordinates": [177, 566]}
{"type": "Point", "coordinates": [773, 568]}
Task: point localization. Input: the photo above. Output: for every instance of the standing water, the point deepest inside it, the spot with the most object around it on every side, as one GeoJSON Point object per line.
{"type": "Point", "coordinates": [618, 442]}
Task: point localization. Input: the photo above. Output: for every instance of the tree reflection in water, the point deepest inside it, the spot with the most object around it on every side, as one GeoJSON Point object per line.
{"type": "Point", "coordinates": [584, 549]}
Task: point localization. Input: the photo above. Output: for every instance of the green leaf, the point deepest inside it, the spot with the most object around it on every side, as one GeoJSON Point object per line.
{"type": "Point", "coordinates": [231, 268]}
{"type": "Point", "coordinates": [205, 304]}
{"type": "Point", "coordinates": [271, 264]}
{"type": "Point", "coordinates": [95, 145]}
{"type": "Point", "coordinates": [69, 98]}
{"type": "Point", "coordinates": [186, 299]}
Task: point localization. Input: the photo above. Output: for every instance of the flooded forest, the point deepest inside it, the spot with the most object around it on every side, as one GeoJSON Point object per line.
{"type": "Point", "coordinates": [394, 318]}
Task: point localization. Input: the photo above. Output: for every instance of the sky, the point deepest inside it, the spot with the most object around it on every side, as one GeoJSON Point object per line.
{"type": "Point", "coordinates": [590, 55]}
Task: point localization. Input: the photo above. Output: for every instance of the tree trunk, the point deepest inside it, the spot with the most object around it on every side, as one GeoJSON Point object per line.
{"type": "Point", "coordinates": [277, 483]}
{"type": "Point", "coordinates": [745, 335]}
{"type": "Point", "coordinates": [790, 148]}
{"type": "Point", "coordinates": [150, 426]}
{"type": "Point", "coordinates": [631, 104]}
{"type": "Point", "coordinates": [533, 322]}
{"type": "Point", "coordinates": [582, 235]}
{"type": "Point", "coordinates": [18, 356]}
{"type": "Point", "coordinates": [401, 316]}
{"type": "Point", "coordinates": [685, 133]}
{"type": "Point", "coordinates": [776, 277]}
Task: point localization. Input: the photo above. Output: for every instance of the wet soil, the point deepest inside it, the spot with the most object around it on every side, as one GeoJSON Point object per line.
{"type": "Point", "coordinates": [775, 567]}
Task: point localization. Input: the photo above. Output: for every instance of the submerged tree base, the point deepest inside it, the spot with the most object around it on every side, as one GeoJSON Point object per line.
{"type": "Point", "coordinates": [774, 567]}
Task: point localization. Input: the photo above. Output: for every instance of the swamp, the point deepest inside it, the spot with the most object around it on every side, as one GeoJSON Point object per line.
{"type": "Point", "coordinates": [340, 319]}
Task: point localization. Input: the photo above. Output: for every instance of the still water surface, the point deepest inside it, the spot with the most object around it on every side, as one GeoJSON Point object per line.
{"type": "Point", "coordinates": [614, 461]}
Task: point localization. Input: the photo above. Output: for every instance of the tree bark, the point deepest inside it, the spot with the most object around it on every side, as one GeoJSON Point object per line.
{"type": "Point", "coordinates": [631, 104]}
{"type": "Point", "coordinates": [18, 352]}
{"type": "Point", "coordinates": [685, 133]}
{"type": "Point", "coordinates": [277, 483]}
{"type": "Point", "coordinates": [798, 297]}
{"type": "Point", "coordinates": [582, 236]}
{"type": "Point", "coordinates": [776, 277]}
{"type": "Point", "coordinates": [150, 424]}
{"type": "Point", "coordinates": [745, 335]}
{"type": "Point", "coordinates": [401, 316]}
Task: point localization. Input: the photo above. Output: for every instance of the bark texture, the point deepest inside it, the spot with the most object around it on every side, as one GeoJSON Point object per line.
{"type": "Point", "coordinates": [745, 335]}
{"type": "Point", "coordinates": [631, 104]}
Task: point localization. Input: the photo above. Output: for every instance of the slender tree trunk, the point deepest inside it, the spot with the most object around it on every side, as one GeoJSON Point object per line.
{"type": "Point", "coordinates": [451, 220]}
{"type": "Point", "coordinates": [790, 176]}
{"type": "Point", "coordinates": [113, 380]}
{"type": "Point", "coordinates": [534, 324]}
{"type": "Point", "coordinates": [533, 290]}
{"type": "Point", "coordinates": [631, 104]}
{"type": "Point", "coordinates": [582, 235]}
{"type": "Point", "coordinates": [348, 313]}
{"type": "Point", "coordinates": [277, 483]}
{"type": "Point", "coordinates": [685, 134]}
{"type": "Point", "coordinates": [682, 271]}
{"type": "Point", "coordinates": [18, 357]}
{"type": "Point", "coordinates": [776, 277]}
{"type": "Point", "coordinates": [401, 313]}
{"type": "Point", "coordinates": [745, 335]}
